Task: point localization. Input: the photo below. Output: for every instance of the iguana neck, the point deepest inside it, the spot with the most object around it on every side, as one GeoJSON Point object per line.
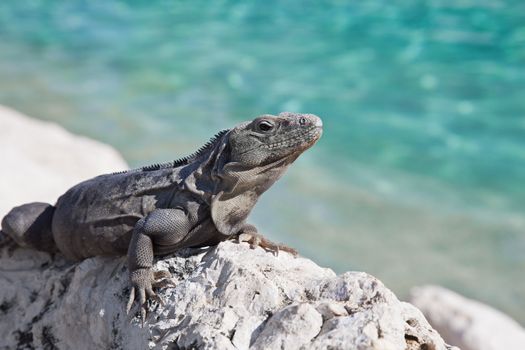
{"type": "Point", "coordinates": [238, 178]}
{"type": "Point", "coordinates": [199, 176]}
{"type": "Point", "coordinates": [238, 190]}
{"type": "Point", "coordinates": [214, 173]}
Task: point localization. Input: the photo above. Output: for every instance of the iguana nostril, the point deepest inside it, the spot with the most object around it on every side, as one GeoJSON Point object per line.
{"type": "Point", "coordinates": [302, 121]}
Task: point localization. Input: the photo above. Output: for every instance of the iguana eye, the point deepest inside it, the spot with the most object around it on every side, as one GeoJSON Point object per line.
{"type": "Point", "coordinates": [265, 125]}
{"type": "Point", "coordinates": [302, 121]}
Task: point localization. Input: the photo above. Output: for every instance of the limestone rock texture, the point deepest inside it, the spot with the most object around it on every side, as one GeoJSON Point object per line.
{"type": "Point", "coordinates": [226, 297]}
{"type": "Point", "coordinates": [466, 322]}
{"type": "Point", "coordinates": [40, 160]}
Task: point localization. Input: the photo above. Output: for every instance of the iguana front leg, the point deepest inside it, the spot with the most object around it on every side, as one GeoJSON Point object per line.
{"type": "Point", "coordinates": [158, 228]}
{"type": "Point", "coordinates": [249, 234]}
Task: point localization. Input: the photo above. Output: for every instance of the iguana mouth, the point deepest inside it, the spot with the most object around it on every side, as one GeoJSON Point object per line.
{"type": "Point", "coordinates": [306, 137]}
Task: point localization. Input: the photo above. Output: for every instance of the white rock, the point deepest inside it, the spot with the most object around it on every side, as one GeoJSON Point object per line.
{"type": "Point", "coordinates": [227, 297]}
{"type": "Point", "coordinates": [290, 328]}
{"type": "Point", "coordinates": [467, 323]}
{"type": "Point", "coordinates": [41, 160]}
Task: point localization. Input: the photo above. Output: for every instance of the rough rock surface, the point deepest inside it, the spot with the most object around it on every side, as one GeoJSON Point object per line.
{"type": "Point", "coordinates": [41, 160]}
{"type": "Point", "coordinates": [227, 297]}
{"type": "Point", "coordinates": [468, 323]}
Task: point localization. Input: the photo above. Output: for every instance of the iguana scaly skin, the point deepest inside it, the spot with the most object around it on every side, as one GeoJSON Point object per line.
{"type": "Point", "coordinates": [195, 201]}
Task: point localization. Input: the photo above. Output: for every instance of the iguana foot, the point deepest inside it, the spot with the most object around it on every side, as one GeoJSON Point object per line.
{"type": "Point", "coordinates": [257, 240]}
{"type": "Point", "coordinates": [142, 283]}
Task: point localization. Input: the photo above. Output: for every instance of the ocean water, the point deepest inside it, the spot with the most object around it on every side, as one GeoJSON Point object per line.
{"type": "Point", "coordinates": [419, 177]}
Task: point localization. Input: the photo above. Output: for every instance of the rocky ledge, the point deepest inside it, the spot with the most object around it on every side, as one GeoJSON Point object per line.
{"type": "Point", "coordinates": [226, 297]}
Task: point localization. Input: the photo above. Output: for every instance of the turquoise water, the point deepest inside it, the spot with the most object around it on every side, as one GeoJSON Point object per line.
{"type": "Point", "coordinates": [419, 175]}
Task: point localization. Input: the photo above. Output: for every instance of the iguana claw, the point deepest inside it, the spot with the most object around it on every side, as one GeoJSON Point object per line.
{"type": "Point", "coordinates": [143, 281]}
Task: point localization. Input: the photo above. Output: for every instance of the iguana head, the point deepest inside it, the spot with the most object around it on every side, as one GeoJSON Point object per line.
{"type": "Point", "coordinates": [269, 138]}
{"type": "Point", "coordinates": [252, 157]}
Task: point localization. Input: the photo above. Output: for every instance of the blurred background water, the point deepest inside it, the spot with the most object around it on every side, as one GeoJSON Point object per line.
{"type": "Point", "coordinates": [419, 177]}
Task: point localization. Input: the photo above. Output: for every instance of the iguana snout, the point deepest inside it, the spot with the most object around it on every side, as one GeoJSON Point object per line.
{"type": "Point", "coordinates": [301, 131]}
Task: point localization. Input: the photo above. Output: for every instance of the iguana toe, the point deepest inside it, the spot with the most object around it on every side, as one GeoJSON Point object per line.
{"type": "Point", "coordinates": [162, 274]}
{"type": "Point", "coordinates": [162, 279]}
{"type": "Point", "coordinates": [257, 240]}
{"type": "Point", "coordinates": [164, 283]}
{"type": "Point", "coordinates": [130, 300]}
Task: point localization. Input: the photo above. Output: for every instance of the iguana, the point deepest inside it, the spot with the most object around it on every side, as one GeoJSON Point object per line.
{"type": "Point", "coordinates": [195, 201]}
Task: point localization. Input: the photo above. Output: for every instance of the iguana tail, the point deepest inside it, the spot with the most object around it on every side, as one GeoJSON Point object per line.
{"type": "Point", "coordinates": [29, 225]}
